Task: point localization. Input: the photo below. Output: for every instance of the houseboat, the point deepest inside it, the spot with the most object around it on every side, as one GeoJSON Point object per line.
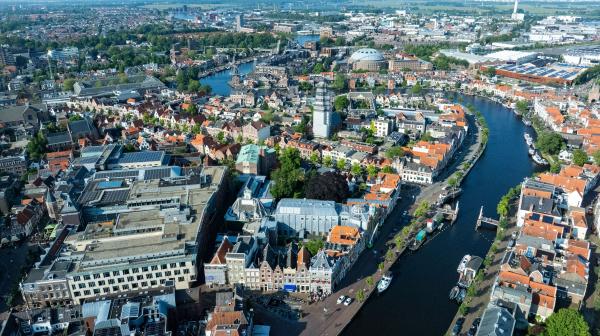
{"type": "Point", "coordinates": [419, 240]}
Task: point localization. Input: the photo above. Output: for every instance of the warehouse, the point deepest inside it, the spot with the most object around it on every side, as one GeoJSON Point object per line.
{"type": "Point", "coordinates": [513, 56]}
{"type": "Point", "coordinates": [557, 73]}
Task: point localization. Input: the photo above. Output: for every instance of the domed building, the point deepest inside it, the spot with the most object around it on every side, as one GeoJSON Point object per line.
{"type": "Point", "coordinates": [367, 59]}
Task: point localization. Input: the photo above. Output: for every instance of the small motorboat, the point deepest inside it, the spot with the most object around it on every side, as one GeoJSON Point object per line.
{"type": "Point", "coordinates": [454, 293]}
{"type": "Point", "coordinates": [385, 281]}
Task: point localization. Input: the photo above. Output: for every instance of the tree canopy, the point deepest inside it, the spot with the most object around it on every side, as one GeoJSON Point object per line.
{"type": "Point", "coordinates": [37, 146]}
{"type": "Point", "coordinates": [288, 177]}
{"type": "Point", "coordinates": [328, 186]}
{"type": "Point", "coordinates": [340, 103]}
{"type": "Point", "coordinates": [394, 152]}
{"type": "Point", "coordinates": [580, 157]}
{"type": "Point", "coordinates": [549, 142]}
{"type": "Point", "coordinates": [566, 321]}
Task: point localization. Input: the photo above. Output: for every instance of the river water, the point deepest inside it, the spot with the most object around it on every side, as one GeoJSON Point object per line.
{"type": "Point", "coordinates": [417, 301]}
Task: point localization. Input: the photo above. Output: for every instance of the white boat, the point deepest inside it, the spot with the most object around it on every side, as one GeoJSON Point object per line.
{"type": "Point", "coordinates": [539, 160]}
{"type": "Point", "coordinates": [385, 281]}
{"type": "Point", "coordinates": [531, 151]}
{"type": "Point", "coordinates": [463, 263]}
{"type": "Point", "coordinates": [454, 292]}
{"type": "Point", "coordinates": [527, 122]}
{"type": "Point", "coordinates": [528, 139]}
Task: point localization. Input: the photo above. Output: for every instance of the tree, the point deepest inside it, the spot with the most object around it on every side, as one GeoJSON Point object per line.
{"type": "Point", "coordinates": [490, 72]}
{"type": "Point", "coordinates": [580, 157]}
{"type": "Point", "coordinates": [566, 321]}
{"type": "Point", "coordinates": [314, 245]}
{"type": "Point", "coordinates": [341, 164]}
{"type": "Point", "coordinates": [339, 83]}
{"type": "Point", "coordinates": [314, 158]}
{"type": "Point", "coordinates": [389, 256]}
{"type": "Point", "coordinates": [68, 84]}
{"type": "Point", "coordinates": [360, 295]}
{"type": "Point", "coordinates": [340, 103]}
{"type": "Point", "coordinates": [522, 107]}
{"type": "Point", "coordinates": [596, 157]}
{"type": "Point", "coordinates": [356, 169]}
{"type": "Point", "coordinates": [37, 146]}
{"type": "Point", "coordinates": [388, 170]}
{"type": "Point", "coordinates": [288, 178]}
{"type": "Point", "coordinates": [452, 181]}
{"type": "Point", "coordinates": [422, 209]}
{"type": "Point", "coordinates": [371, 170]}
{"type": "Point", "coordinates": [549, 142]}
{"type": "Point", "coordinates": [318, 68]}
{"type": "Point", "coordinates": [327, 161]}
{"type": "Point", "coordinates": [330, 186]}
{"type": "Point", "coordinates": [416, 89]}
{"type": "Point", "coordinates": [369, 281]}
{"type": "Point", "coordinates": [394, 152]}
{"type": "Point", "coordinates": [221, 137]}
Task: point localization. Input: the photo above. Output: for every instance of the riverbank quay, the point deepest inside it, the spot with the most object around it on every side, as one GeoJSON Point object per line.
{"type": "Point", "coordinates": [479, 295]}
{"type": "Point", "coordinates": [328, 318]}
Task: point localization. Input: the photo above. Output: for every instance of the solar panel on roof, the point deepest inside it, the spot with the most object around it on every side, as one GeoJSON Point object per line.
{"type": "Point", "coordinates": [114, 196]}
{"type": "Point", "coordinates": [548, 220]}
{"type": "Point", "coordinates": [116, 174]}
{"type": "Point", "coordinates": [153, 174]}
{"type": "Point", "coordinates": [535, 216]}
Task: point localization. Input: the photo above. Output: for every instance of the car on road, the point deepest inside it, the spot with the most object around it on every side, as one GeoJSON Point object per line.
{"type": "Point", "coordinates": [348, 301]}
{"type": "Point", "coordinates": [511, 243]}
{"type": "Point", "coordinates": [458, 326]}
{"type": "Point", "coordinates": [474, 326]}
{"type": "Point", "coordinates": [341, 299]}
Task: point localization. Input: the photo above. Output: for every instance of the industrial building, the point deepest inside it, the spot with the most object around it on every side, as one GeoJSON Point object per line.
{"type": "Point", "coordinates": [558, 73]}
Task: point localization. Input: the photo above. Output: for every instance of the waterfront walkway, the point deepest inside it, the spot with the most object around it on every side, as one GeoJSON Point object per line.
{"type": "Point", "coordinates": [480, 300]}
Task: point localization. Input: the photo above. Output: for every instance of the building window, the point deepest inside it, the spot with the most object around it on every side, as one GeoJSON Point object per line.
{"type": "Point", "coordinates": [86, 277]}
{"type": "Point", "coordinates": [86, 292]}
{"type": "Point", "coordinates": [163, 266]}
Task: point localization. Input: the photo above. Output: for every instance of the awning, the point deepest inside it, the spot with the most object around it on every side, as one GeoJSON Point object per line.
{"type": "Point", "coordinates": [289, 287]}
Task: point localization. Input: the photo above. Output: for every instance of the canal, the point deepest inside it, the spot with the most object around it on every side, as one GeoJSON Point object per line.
{"type": "Point", "coordinates": [219, 81]}
{"type": "Point", "coordinates": [417, 301]}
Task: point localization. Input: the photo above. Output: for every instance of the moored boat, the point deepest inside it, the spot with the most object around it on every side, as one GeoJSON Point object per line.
{"type": "Point", "coordinates": [463, 263]}
{"type": "Point", "coordinates": [454, 293]}
{"type": "Point", "coordinates": [539, 160]}
{"type": "Point", "coordinates": [419, 240]}
{"type": "Point", "coordinates": [385, 281]}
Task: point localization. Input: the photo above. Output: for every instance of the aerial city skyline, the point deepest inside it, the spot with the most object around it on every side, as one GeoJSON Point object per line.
{"type": "Point", "coordinates": [299, 168]}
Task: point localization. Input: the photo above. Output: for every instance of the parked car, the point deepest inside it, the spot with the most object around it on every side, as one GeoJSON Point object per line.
{"type": "Point", "coordinates": [348, 301]}
{"type": "Point", "coordinates": [511, 243]}
{"type": "Point", "coordinates": [458, 326]}
{"type": "Point", "coordinates": [473, 330]}
{"type": "Point", "coordinates": [341, 299]}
